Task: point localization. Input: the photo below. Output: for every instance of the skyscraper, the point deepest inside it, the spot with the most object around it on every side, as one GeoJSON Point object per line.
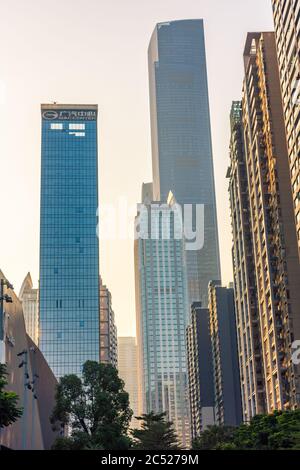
{"type": "Point", "coordinates": [245, 291]}
{"type": "Point", "coordinates": [128, 371]}
{"type": "Point", "coordinates": [162, 313]}
{"type": "Point", "coordinates": [30, 304]}
{"type": "Point", "coordinates": [108, 328]}
{"type": "Point", "coordinates": [287, 31]}
{"type": "Point", "coordinates": [69, 248]}
{"type": "Point", "coordinates": [227, 391]}
{"type": "Point", "coordinates": [181, 137]}
{"type": "Point", "coordinates": [200, 371]}
{"type": "Point", "coordinates": [271, 236]}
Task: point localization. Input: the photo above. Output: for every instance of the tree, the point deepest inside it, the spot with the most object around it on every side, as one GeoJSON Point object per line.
{"type": "Point", "coordinates": [280, 430]}
{"type": "Point", "coordinates": [215, 438]}
{"type": "Point", "coordinates": [95, 408]}
{"type": "Point", "coordinates": [9, 411]}
{"type": "Point", "coordinates": [155, 434]}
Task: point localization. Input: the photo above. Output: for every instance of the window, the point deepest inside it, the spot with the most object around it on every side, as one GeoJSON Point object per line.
{"type": "Point", "coordinates": [78, 134]}
{"type": "Point", "coordinates": [57, 126]}
{"type": "Point", "coordinates": [77, 127]}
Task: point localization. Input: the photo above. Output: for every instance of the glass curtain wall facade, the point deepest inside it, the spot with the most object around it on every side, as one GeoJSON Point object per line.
{"type": "Point", "coordinates": [181, 136]}
{"type": "Point", "coordinates": [69, 247]}
{"type": "Point", "coordinates": [162, 318]}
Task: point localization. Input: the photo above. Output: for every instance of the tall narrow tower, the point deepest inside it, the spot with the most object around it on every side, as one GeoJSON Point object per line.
{"type": "Point", "coordinates": [181, 137]}
{"type": "Point", "coordinates": [245, 289]}
{"type": "Point", "coordinates": [287, 33]}
{"type": "Point", "coordinates": [69, 247]}
{"type": "Point", "coordinates": [162, 313]}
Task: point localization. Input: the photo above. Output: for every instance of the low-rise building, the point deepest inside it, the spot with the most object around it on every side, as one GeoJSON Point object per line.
{"type": "Point", "coordinates": [29, 376]}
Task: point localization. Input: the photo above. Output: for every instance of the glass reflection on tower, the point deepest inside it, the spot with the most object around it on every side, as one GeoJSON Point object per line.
{"type": "Point", "coordinates": [181, 137]}
{"type": "Point", "coordinates": [69, 246]}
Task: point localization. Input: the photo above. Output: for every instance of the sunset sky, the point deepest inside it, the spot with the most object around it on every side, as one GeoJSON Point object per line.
{"type": "Point", "coordinates": [95, 51]}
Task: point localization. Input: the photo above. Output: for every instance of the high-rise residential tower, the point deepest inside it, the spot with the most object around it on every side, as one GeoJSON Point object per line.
{"type": "Point", "coordinates": [162, 313]}
{"type": "Point", "coordinates": [30, 304]}
{"type": "Point", "coordinates": [108, 328]}
{"type": "Point", "coordinates": [69, 246]}
{"type": "Point", "coordinates": [245, 292]}
{"type": "Point", "coordinates": [227, 391]}
{"type": "Point", "coordinates": [287, 32]}
{"type": "Point", "coordinates": [181, 137]}
{"type": "Point", "coordinates": [271, 236]}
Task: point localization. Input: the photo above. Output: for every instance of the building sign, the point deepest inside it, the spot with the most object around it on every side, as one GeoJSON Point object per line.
{"type": "Point", "coordinates": [70, 115]}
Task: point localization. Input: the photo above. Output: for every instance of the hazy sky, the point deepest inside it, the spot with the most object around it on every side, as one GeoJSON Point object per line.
{"type": "Point", "coordinates": [95, 51]}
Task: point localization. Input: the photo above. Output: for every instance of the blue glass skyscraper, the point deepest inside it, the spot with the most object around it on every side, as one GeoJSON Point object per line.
{"type": "Point", "coordinates": [181, 137]}
{"type": "Point", "coordinates": [69, 246]}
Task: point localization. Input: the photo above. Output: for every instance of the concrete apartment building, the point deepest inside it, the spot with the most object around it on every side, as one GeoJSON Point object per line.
{"type": "Point", "coordinates": [108, 328]}
{"type": "Point", "coordinates": [246, 307]}
{"type": "Point", "coordinates": [287, 33]}
{"type": "Point", "coordinates": [271, 237]}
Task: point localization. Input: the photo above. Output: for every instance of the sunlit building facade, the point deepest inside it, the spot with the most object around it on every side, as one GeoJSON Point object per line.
{"type": "Point", "coordinates": [128, 371]}
{"type": "Point", "coordinates": [69, 246]}
{"type": "Point", "coordinates": [30, 377]}
{"type": "Point", "coordinates": [108, 328]}
{"type": "Point", "coordinates": [30, 304]}
{"type": "Point", "coordinates": [273, 253]}
{"type": "Point", "coordinates": [287, 32]}
{"type": "Point", "coordinates": [245, 292]}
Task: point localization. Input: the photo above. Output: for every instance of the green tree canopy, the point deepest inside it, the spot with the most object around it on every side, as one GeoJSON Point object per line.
{"type": "Point", "coordinates": [280, 430]}
{"type": "Point", "coordinates": [215, 438]}
{"type": "Point", "coordinates": [156, 433]}
{"type": "Point", "coordinates": [95, 409]}
{"type": "Point", "coordinates": [9, 411]}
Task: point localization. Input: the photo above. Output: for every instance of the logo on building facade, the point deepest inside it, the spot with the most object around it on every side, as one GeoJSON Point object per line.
{"type": "Point", "coordinates": [50, 115]}
{"type": "Point", "coordinates": [70, 115]}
